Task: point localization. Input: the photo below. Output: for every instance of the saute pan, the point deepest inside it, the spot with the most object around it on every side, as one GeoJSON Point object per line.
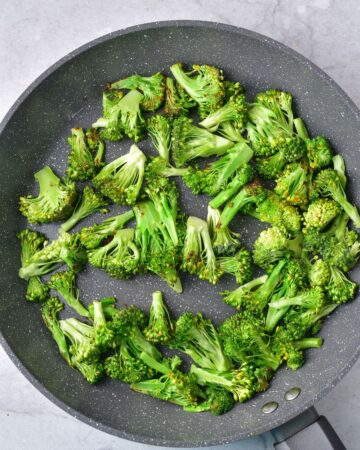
{"type": "Point", "coordinates": [33, 134]}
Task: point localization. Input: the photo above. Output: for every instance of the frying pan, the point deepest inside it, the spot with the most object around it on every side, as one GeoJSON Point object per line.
{"type": "Point", "coordinates": [33, 134]}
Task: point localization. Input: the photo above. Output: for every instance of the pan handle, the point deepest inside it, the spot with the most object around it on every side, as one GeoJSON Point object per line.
{"type": "Point", "coordinates": [307, 431]}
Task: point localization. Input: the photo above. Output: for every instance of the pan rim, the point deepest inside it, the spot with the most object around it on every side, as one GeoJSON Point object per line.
{"type": "Point", "coordinates": [7, 118]}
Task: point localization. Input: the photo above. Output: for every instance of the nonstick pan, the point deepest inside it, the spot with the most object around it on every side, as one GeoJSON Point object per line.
{"type": "Point", "coordinates": [33, 134]}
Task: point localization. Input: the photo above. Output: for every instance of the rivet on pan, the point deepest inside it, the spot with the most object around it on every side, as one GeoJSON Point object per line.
{"type": "Point", "coordinates": [292, 393]}
{"type": "Point", "coordinates": [269, 407]}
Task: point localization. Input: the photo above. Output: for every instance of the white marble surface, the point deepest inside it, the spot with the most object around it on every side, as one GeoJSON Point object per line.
{"type": "Point", "coordinates": [35, 34]}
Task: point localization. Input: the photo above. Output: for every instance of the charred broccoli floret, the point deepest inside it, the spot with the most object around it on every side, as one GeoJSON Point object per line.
{"type": "Point", "coordinates": [121, 180]}
{"type": "Point", "coordinates": [56, 199]}
{"type": "Point", "coordinates": [65, 284]}
{"type": "Point", "coordinates": [224, 241]}
{"type": "Point", "coordinates": [239, 265]}
{"type": "Point", "coordinates": [292, 184]}
{"type": "Point", "coordinates": [319, 152]}
{"type": "Point", "coordinates": [159, 128]}
{"type": "Point", "coordinates": [177, 100]}
{"type": "Point", "coordinates": [160, 327]}
{"type": "Point", "coordinates": [204, 84]}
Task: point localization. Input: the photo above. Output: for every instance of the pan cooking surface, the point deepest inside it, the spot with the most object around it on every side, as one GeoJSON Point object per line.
{"type": "Point", "coordinates": [33, 134]}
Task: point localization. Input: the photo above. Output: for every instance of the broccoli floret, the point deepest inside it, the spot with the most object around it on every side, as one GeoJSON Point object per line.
{"type": "Point", "coordinates": [242, 383]}
{"type": "Point", "coordinates": [319, 273]}
{"type": "Point", "coordinates": [272, 245]}
{"type": "Point", "coordinates": [159, 248]}
{"type": "Point", "coordinates": [159, 128]}
{"type": "Point", "coordinates": [198, 254]}
{"type": "Point", "coordinates": [339, 167]}
{"type": "Point", "coordinates": [65, 250]}
{"type": "Point", "coordinates": [160, 327]}
{"type": "Point", "coordinates": [92, 372]}
{"type": "Point", "coordinates": [340, 289]}
{"type": "Point", "coordinates": [239, 265]}
{"type": "Point", "coordinates": [108, 306]}
{"type": "Point", "coordinates": [89, 203]}
{"type": "Point", "coordinates": [250, 194]}
{"type": "Point", "coordinates": [190, 142]}
{"type": "Point", "coordinates": [311, 299]}
{"type": "Point", "coordinates": [270, 208]}
{"type": "Point", "coordinates": [158, 168]}
{"type": "Point", "coordinates": [243, 294]}
{"type": "Point", "coordinates": [56, 199]}
{"type": "Point", "coordinates": [328, 184]}
{"type": "Point", "coordinates": [177, 100]}
{"type": "Point", "coordinates": [218, 401]}
{"type": "Point", "coordinates": [153, 89]}
{"type": "Point", "coordinates": [224, 241]}
{"type": "Point", "coordinates": [235, 110]}
{"type": "Point", "coordinates": [292, 184]}
{"type": "Point", "coordinates": [244, 340]}
{"type": "Point", "coordinates": [204, 84]}
{"type": "Point", "coordinates": [86, 154]}
{"type": "Point", "coordinates": [319, 152]}
{"type": "Point", "coordinates": [92, 237]}
{"type": "Point", "coordinates": [198, 338]}
{"type": "Point", "coordinates": [121, 114]}
{"type": "Point", "coordinates": [104, 335]}
{"type": "Point", "coordinates": [217, 175]}
{"type": "Point", "coordinates": [120, 257]}
{"type": "Point", "coordinates": [320, 213]}
{"type": "Point", "coordinates": [65, 284]}
{"type": "Point", "coordinates": [31, 242]}
{"type": "Point", "coordinates": [121, 180]}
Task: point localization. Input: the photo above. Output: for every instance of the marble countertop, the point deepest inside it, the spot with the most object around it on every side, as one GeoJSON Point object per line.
{"type": "Point", "coordinates": [35, 34]}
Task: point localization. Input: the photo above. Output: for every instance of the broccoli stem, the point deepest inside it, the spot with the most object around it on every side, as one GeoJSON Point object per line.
{"type": "Point", "coordinates": [273, 316]}
{"type": "Point", "coordinates": [339, 167]}
{"type": "Point", "coordinates": [301, 128]}
{"type": "Point", "coordinates": [311, 342]}
{"type": "Point", "coordinates": [48, 182]}
{"type": "Point", "coordinates": [233, 207]}
{"type": "Point", "coordinates": [226, 194]}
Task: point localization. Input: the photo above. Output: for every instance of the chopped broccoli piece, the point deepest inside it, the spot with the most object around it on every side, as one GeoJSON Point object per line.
{"type": "Point", "coordinates": [121, 180]}
{"type": "Point", "coordinates": [319, 273]}
{"type": "Point", "coordinates": [243, 294]}
{"type": "Point", "coordinates": [89, 203]}
{"type": "Point", "coordinates": [204, 84]}
{"type": "Point", "coordinates": [224, 241]}
{"type": "Point", "coordinates": [104, 335]}
{"type": "Point", "coordinates": [218, 401]}
{"type": "Point", "coordinates": [320, 213]}
{"type": "Point", "coordinates": [319, 152]}
{"type": "Point", "coordinates": [311, 299]}
{"type": "Point", "coordinates": [158, 168]}
{"type": "Point", "coordinates": [56, 199]}
{"type": "Point", "coordinates": [340, 289]}
{"type": "Point", "coordinates": [65, 284]}
{"type": "Point", "coordinates": [339, 167]}
{"type": "Point", "coordinates": [160, 326]}
{"type": "Point", "coordinates": [177, 100]}
{"type": "Point", "coordinates": [239, 265]}
{"type": "Point", "coordinates": [292, 184]}
{"type": "Point", "coordinates": [159, 128]}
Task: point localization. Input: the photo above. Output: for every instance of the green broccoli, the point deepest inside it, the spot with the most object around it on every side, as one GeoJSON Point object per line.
{"type": "Point", "coordinates": [224, 241]}
{"type": "Point", "coordinates": [329, 184]}
{"type": "Point", "coordinates": [319, 152]}
{"type": "Point", "coordinates": [158, 168]}
{"type": "Point", "coordinates": [339, 288]}
{"type": "Point", "coordinates": [159, 129]}
{"type": "Point", "coordinates": [198, 254]}
{"type": "Point", "coordinates": [310, 299]}
{"type": "Point", "coordinates": [198, 338]}
{"type": "Point", "coordinates": [104, 336]}
{"type": "Point", "coordinates": [56, 199]}
{"type": "Point", "coordinates": [177, 100]}
{"type": "Point", "coordinates": [121, 180]}
{"type": "Point", "coordinates": [153, 89]}
{"type": "Point", "coordinates": [239, 265]}
{"type": "Point", "coordinates": [108, 307]}
{"type": "Point", "coordinates": [218, 401]}
{"type": "Point", "coordinates": [120, 257]}
{"type": "Point", "coordinates": [339, 167]}
{"type": "Point", "coordinates": [83, 162]}
{"type": "Point", "coordinates": [319, 273]}
{"type": "Point", "coordinates": [31, 242]}
{"type": "Point", "coordinates": [292, 184]}
{"type": "Point", "coordinates": [89, 203]}
{"type": "Point", "coordinates": [320, 214]}
{"type": "Point", "coordinates": [242, 295]}
{"type": "Point", "coordinates": [160, 327]}
{"type": "Point", "coordinates": [65, 284]}
{"type": "Point", "coordinates": [93, 236]}
{"type": "Point", "coordinates": [190, 142]}
{"type": "Point", "coordinates": [204, 84]}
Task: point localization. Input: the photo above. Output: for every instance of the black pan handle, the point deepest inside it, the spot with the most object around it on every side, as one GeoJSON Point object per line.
{"type": "Point", "coordinates": [308, 431]}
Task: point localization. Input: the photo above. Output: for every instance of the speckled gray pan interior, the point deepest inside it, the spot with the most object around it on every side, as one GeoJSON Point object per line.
{"type": "Point", "coordinates": [33, 134]}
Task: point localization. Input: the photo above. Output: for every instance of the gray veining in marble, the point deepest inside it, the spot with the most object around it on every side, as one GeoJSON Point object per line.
{"type": "Point", "coordinates": [35, 34]}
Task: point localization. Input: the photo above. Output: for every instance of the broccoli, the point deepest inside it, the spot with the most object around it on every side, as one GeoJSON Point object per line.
{"type": "Point", "coordinates": [158, 168]}
{"type": "Point", "coordinates": [56, 199]}
{"type": "Point", "coordinates": [159, 249]}
{"type": "Point", "coordinates": [84, 163]}
{"type": "Point", "coordinates": [218, 401]}
{"type": "Point", "coordinates": [239, 265]}
{"type": "Point", "coordinates": [292, 184]}
{"type": "Point", "coordinates": [104, 335]}
{"type": "Point", "coordinates": [270, 208]}
{"type": "Point", "coordinates": [242, 383]}
{"type": "Point", "coordinates": [160, 327]}
{"type": "Point", "coordinates": [198, 338]}
{"type": "Point", "coordinates": [320, 214]}
{"type": "Point", "coordinates": [272, 245]}
{"type": "Point", "coordinates": [121, 180]}
{"type": "Point", "coordinates": [329, 184]}
{"type": "Point", "coordinates": [31, 242]}
{"type": "Point", "coordinates": [319, 153]}
{"type": "Point", "coordinates": [339, 167]}
{"type": "Point", "coordinates": [189, 142]}
{"type": "Point", "coordinates": [177, 100]}
{"type": "Point", "coordinates": [65, 284]}
{"type": "Point", "coordinates": [93, 236]}
{"type": "Point", "coordinates": [250, 194]}
{"type": "Point", "coordinates": [310, 299]}
{"type": "Point", "coordinates": [244, 339]}
{"type": "Point", "coordinates": [89, 203]}
{"type": "Point", "coordinates": [153, 89]}
{"type": "Point", "coordinates": [121, 115]}
{"type": "Point", "coordinates": [339, 288]}
{"type": "Point", "coordinates": [243, 294]}
{"type": "Point", "coordinates": [235, 111]}
{"type": "Point", "coordinates": [319, 273]}
{"type": "Point", "coordinates": [108, 306]}
{"type": "Point", "coordinates": [65, 250]}
{"type": "Point", "coordinates": [204, 84]}
{"type": "Point", "coordinates": [224, 241]}
{"type": "Point", "coordinates": [243, 176]}
{"type": "Point", "coordinates": [159, 129]}
{"type": "Point", "coordinates": [217, 175]}
{"type": "Point", "coordinates": [198, 254]}
{"type": "Point", "coordinates": [120, 257]}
